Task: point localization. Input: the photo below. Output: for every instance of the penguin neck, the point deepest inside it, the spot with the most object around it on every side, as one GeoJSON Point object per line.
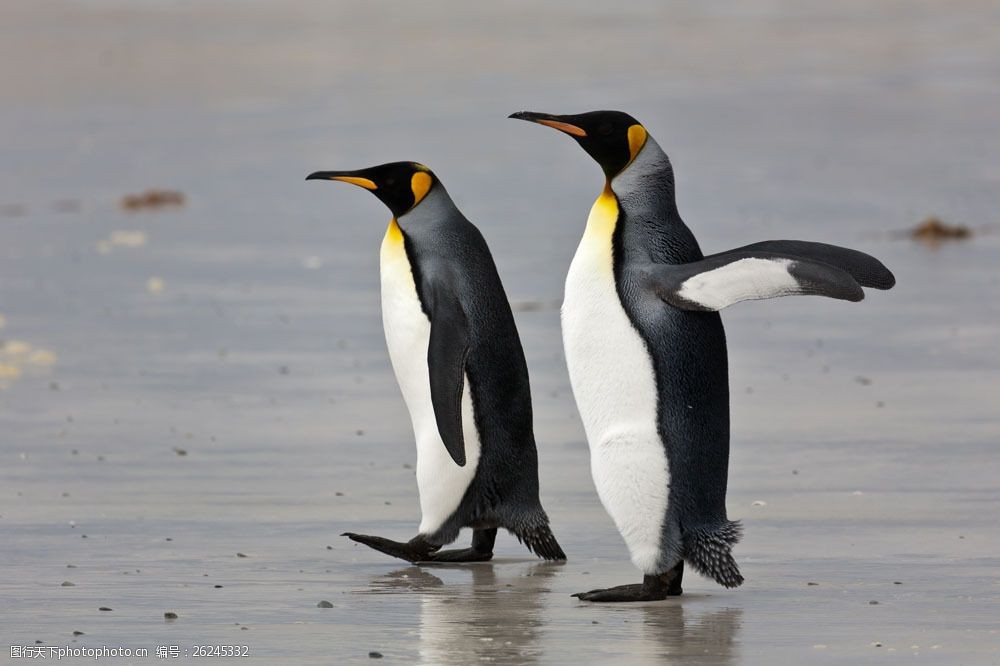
{"type": "Point", "coordinates": [650, 172]}
{"type": "Point", "coordinates": [649, 226]}
{"type": "Point", "coordinates": [433, 210]}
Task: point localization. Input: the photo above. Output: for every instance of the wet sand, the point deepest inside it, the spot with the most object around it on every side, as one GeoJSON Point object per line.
{"type": "Point", "coordinates": [242, 327]}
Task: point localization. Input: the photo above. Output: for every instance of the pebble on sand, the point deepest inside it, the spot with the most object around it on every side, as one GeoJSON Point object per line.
{"type": "Point", "coordinates": [312, 262]}
{"type": "Point", "coordinates": [170, 615]}
{"type": "Point", "coordinates": [240, 555]}
{"type": "Point", "coordinates": [103, 608]}
{"type": "Point", "coordinates": [152, 199]}
{"type": "Point", "coordinates": [324, 604]}
{"type": "Point", "coordinates": [374, 655]}
{"type": "Point", "coordinates": [122, 238]}
{"type": "Point", "coordinates": [67, 583]}
{"type": "Point", "coordinates": [933, 230]}
{"type": "Point", "coordinates": [42, 357]}
{"type": "Point", "coordinates": [78, 633]}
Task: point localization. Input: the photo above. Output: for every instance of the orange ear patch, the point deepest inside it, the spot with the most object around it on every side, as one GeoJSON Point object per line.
{"type": "Point", "coordinates": [636, 140]}
{"type": "Point", "coordinates": [420, 183]}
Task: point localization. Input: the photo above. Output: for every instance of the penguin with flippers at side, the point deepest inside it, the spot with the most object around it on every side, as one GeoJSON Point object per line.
{"type": "Point", "coordinates": [458, 360]}
{"type": "Point", "coordinates": [647, 358]}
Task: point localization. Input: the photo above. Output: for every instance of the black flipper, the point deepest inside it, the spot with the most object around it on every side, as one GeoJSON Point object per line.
{"type": "Point", "coordinates": [864, 268]}
{"type": "Point", "coordinates": [726, 278]}
{"type": "Point", "coordinates": [446, 356]}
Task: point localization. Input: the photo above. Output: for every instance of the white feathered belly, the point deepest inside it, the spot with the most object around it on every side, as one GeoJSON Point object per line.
{"type": "Point", "coordinates": [440, 482]}
{"type": "Point", "coordinates": [615, 389]}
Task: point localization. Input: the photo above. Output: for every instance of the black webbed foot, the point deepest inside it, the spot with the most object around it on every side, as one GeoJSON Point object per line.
{"type": "Point", "coordinates": [652, 588]}
{"type": "Point", "coordinates": [459, 555]}
{"type": "Point", "coordinates": [418, 549]}
{"type": "Point", "coordinates": [481, 551]}
{"type": "Point", "coordinates": [414, 550]}
{"type": "Point", "coordinates": [636, 592]}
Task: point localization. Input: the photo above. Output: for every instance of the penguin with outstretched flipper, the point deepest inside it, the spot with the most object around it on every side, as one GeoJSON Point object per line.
{"type": "Point", "coordinates": [646, 352]}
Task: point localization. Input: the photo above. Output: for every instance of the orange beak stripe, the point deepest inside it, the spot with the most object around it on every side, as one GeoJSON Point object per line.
{"type": "Point", "coordinates": [562, 127]}
{"type": "Point", "coordinates": [360, 182]}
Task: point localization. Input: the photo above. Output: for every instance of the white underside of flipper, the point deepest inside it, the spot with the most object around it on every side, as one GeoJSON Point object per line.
{"type": "Point", "coordinates": [440, 482]}
{"type": "Point", "coordinates": [743, 280]}
{"type": "Point", "coordinates": [615, 388]}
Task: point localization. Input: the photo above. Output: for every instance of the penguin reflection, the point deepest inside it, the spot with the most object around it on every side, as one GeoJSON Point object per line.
{"type": "Point", "coordinates": [495, 619]}
{"type": "Point", "coordinates": [675, 636]}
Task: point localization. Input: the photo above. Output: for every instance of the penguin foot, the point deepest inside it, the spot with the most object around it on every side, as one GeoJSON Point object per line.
{"type": "Point", "coordinates": [636, 592]}
{"type": "Point", "coordinates": [459, 555]}
{"type": "Point", "coordinates": [481, 551]}
{"type": "Point", "coordinates": [652, 588]}
{"type": "Point", "coordinates": [414, 550]}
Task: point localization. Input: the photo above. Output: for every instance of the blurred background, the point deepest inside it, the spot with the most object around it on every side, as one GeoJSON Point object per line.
{"type": "Point", "coordinates": [195, 398]}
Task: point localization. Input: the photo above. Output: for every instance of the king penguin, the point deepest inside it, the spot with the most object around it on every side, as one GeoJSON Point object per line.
{"type": "Point", "coordinates": [646, 352]}
{"type": "Point", "coordinates": [458, 361]}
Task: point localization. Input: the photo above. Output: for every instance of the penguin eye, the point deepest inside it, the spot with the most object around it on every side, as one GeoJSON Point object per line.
{"type": "Point", "coordinates": [604, 129]}
{"type": "Point", "coordinates": [390, 181]}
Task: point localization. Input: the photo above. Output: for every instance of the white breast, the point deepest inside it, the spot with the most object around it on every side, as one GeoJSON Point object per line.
{"type": "Point", "coordinates": [440, 481]}
{"type": "Point", "coordinates": [615, 390]}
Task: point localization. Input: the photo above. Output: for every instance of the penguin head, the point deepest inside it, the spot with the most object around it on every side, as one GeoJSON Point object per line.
{"type": "Point", "coordinates": [399, 185]}
{"type": "Point", "coordinates": [612, 138]}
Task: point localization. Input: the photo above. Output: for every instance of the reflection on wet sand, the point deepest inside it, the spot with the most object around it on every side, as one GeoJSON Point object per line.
{"type": "Point", "coordinates": [410, 578]}
{"type": "Point", "coordinates": [488, 618]}
{"type": "Point", "coordinates": [675, 635]}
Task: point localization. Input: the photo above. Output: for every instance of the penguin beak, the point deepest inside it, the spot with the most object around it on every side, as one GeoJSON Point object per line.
{"type": "Point", "coordinates": [549, 120]}
{"type": "Point", "coordinates": [351, 177]}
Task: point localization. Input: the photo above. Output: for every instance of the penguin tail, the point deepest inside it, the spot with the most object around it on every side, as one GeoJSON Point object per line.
{"type": "Point", "coordinates": [539, 539]}
{"type": "Point", "coordinates": [709, 551]}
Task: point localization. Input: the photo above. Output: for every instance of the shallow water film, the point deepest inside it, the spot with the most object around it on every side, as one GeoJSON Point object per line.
{"type": "Point", "coordinates": [195, 395]}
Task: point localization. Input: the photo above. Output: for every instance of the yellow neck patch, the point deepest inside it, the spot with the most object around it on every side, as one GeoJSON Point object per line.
{"type": "Point", "coordinates": [636, 140]}
{"type": "Point", "coordinates": [393, 235]}
{"type": "Point", "coordinates": [595, 247]}
{"type": "Point", "coordinates": [420, 183]}
{"type": "Point", "coordinates": [603, 215]}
